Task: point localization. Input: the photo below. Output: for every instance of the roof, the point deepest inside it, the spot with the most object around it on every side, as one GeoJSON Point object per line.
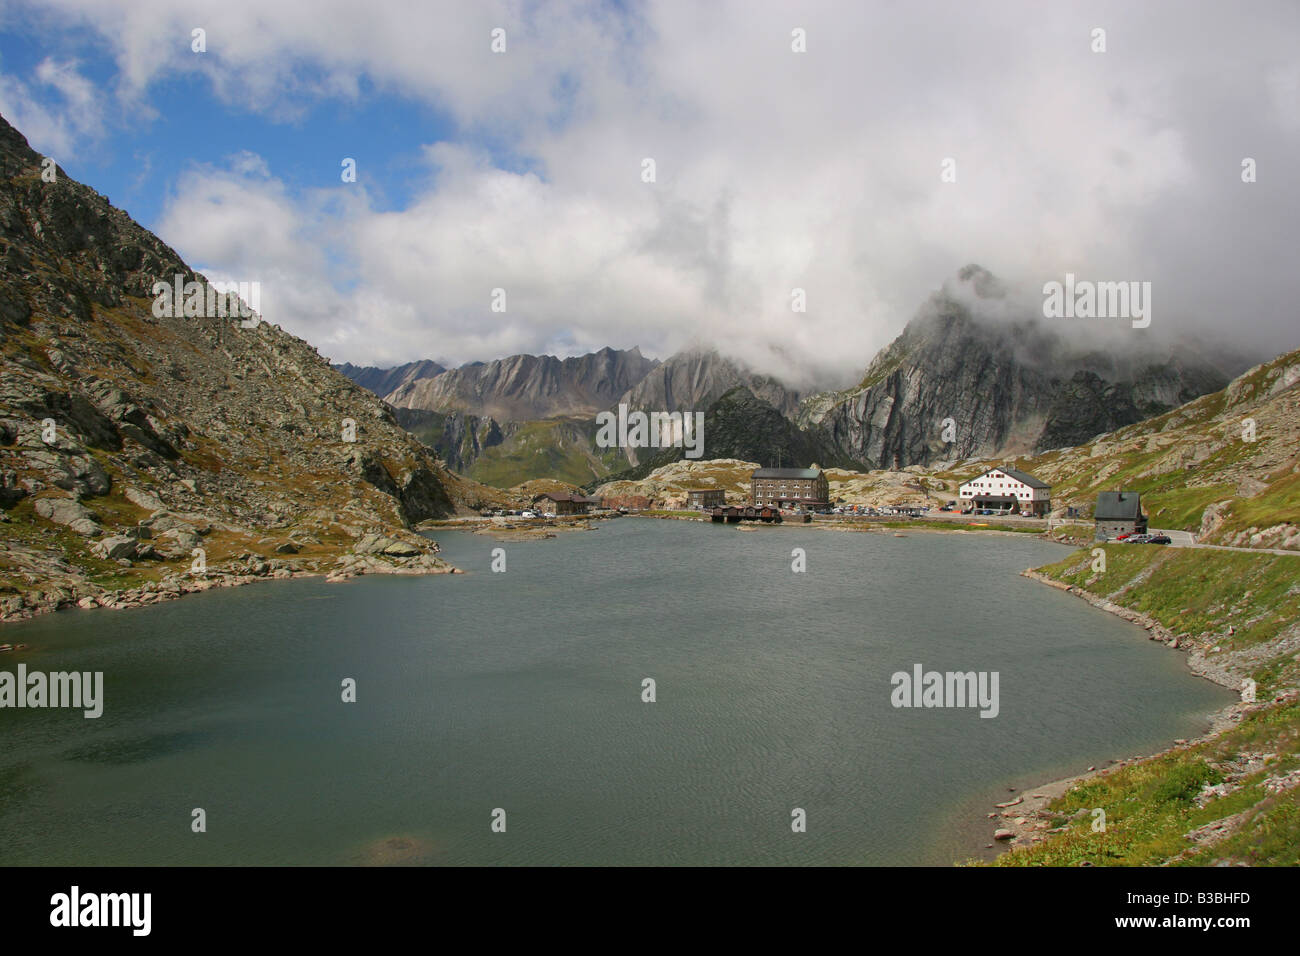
{"type": "Point", "coordinates": [787, 473]}
{"type": "Point", "coordinates": [1025, 478]}
{"type": "Point", "coordinates": [1118, 506]}
{"type": "Point", "coordinates": [696, 491]}
{"type": "Point", "coordinates": [1021, 476]}
{"type": "Point", "coordinates": [565, 496]}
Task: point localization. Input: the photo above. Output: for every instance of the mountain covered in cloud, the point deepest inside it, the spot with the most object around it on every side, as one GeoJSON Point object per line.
{"type": "Point", "coordinates": [693, 379]}
{"type": "Point", "coordinates": [978, 371]}
{"type": "Point", "coordinates": [975, 374]}
{"type": "Point", "coordinates": [741, 426]}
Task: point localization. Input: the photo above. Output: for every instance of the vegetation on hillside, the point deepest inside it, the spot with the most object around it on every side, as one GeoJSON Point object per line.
{"type": "Point", "coordinates": [1233, 797]}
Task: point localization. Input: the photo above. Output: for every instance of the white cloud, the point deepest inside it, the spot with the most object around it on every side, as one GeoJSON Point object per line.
{"type": "Point", "coordinates": [60, 113]}
{"type": "Point", "coordinates": [776, 170]}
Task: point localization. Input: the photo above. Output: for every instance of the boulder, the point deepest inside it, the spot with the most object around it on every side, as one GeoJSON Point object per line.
{"type": "Point", "coordinates": [144, 499]}
{"type": "Point", "coordinates": [68, 512]}
{"type": "Point", "coordinates": [383, 544]}
{"type": "Point", "coordinates": [116, 547]}
{"type": "Point", "coordinates": [186, 539]}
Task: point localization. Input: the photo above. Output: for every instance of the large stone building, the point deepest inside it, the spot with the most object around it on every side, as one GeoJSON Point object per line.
{"type": "Point", "coordinates": [565, 504]}
{"type": "Point", "coordinates": [1006, 489]}
{"type": "Point", "coordinates": [699, 498]}
{"type": "Point", "coordinates": [805, 488]}
{"type": "Point", "coordinates": [1119, 512]}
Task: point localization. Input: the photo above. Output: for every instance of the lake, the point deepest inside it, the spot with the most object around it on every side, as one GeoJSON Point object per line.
{"type": "Point", "coordinates": [522, 691]}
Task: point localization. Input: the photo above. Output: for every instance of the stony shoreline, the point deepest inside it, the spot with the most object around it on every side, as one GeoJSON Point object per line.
{"type": "Point", "coordinates": [1022, 821]}
{"type": "Point", "coordinates": [253, 570]}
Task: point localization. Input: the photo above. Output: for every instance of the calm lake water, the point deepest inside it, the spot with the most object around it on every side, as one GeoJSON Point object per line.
{"type": "Point", "coordinates": [522, 691]}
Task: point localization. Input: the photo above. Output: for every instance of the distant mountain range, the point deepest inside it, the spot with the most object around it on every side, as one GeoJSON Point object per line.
{"type": "Point", "coordinates": [694, 379]}
{"type": "Point", "coordinates": [740, 425]}
{"type": "Point", "coordinates": [530, 416]}
{"type": "Point", "coordinates": [962, 380]}
{"type": "Point", "coordinates": [528, 387]}
{"type": "Point", "coordinates": [381, 381]}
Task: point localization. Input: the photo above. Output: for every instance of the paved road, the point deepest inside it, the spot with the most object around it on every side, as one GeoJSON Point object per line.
{"type": "Point", "coordinates": [1185, 539]}
{"type": "Point", "coordinates": [1179, 539]}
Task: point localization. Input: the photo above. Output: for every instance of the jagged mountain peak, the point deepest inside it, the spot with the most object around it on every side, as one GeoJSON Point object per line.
{"type": "Point", "coordinates": [696, 377]}
{"type": "Point", "coordinates": [527, 387]}
{"type": "Point", "coordinates": [976, 373]}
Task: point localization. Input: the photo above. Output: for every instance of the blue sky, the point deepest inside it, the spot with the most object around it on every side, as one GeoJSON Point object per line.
{"type": "Point", "coordinates": [777, 169]}
{"type": "Point", "coordinates": [138, 162]}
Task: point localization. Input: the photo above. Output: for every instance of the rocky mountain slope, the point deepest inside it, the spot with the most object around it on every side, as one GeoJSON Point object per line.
{"type": "Point", "coordinates": [1225, 466]}
{"type": "Point", "coordinates": [522, 417]}
{"type": "Point", "coordinates": [381, 381]}
{"type": "Point", "coordinates": [503, 455]}
{"type": "Point", "coordinates": [739, 425]}
{"type": "Point", "coordinates": [693, 379]}
{"type": "Point", "coordinates": [528, 387]}
{"type": "Point", "coordinates": [135, 449]}
{"type": "Point", "coordinates": [667, 485]}
{"type": "Point", "coordinates": [1002, 385]}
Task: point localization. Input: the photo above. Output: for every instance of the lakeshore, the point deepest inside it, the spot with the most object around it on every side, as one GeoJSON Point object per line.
{"type": "Point", "coordinates": [1024, 820]}
{"type": "Point", "coordinates": [378, 557]}
{"type": "Point", "coordinates": [1214, 791]}
{"type": "Point", "coordinates": [797, 717]}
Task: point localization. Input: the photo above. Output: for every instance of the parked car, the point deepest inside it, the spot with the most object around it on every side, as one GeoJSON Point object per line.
{"type": "Point", "coordinates": [1159, 539]}
{"type": "Point", "coordinates": [1121, 537]}
{"type": "Point", "coordinates": [1137, 539]}
{"type": "Point", "coordinates": [549, 514]}
{"type": "Point", "coordinates": [529, 514]}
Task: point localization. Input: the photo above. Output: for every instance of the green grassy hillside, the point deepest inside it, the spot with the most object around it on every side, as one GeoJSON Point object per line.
{"type": "Point", "coordinates": [1231, 798]}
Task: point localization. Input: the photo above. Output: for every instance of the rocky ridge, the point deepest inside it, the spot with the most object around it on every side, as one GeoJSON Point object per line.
{"type": "Point", "coordinates": [956, 384]}
{"type": "Point", "coordinates": [132, 444]}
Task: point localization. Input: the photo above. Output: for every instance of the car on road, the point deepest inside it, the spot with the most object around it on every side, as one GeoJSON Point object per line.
{"type": "Point", "coordinates": [529, 514]}
{"type": "Point", "coordinates": [1121, 537]}
{"type": "Point", "coordinates": [1159, 539]}
{"type": "Point", "coordinates": [1137, 539]}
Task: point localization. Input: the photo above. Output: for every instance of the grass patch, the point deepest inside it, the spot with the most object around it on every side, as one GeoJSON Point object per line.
{"type": "Point", "coordinates": [1151, 806]}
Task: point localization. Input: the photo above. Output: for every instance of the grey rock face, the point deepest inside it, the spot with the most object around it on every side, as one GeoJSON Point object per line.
{"type": "Point", "coordinates": [954, 386]}
{"type": "Point", "coordinates": [693, 380]}
{"type": "Point", "coordinates": [240, 427]}
{"type": "Point", "coordinates": [68, 512]}
{"type": "Point", "coordinates": [118, 546]}
{"type": "Point", "coordinates": [381, 381]}
{"type": "Point", "coordinates": [528, 387]}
